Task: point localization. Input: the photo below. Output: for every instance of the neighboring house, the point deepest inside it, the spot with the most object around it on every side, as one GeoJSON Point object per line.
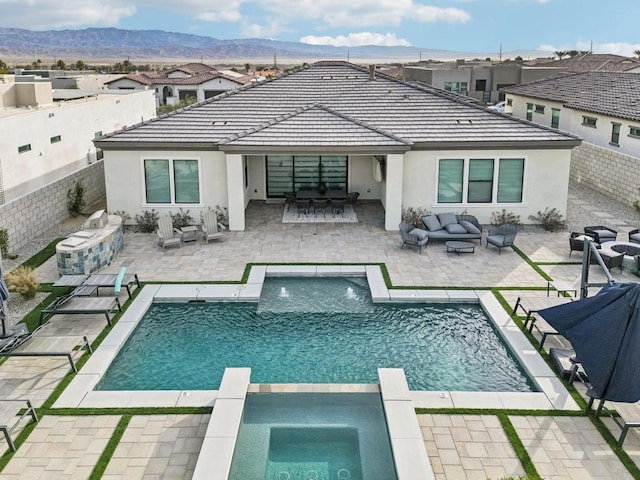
{"type": "Point", "coordinates": [603, 108]}
{"type": "Point", "coordinates": [48, 134]}
{"type": "Point", "coordinates": [348, 126]}
{"type": "Point", "coordinates": [481, 80]}
{"type": "Point", "coordinates": [66, 79]}
{"type": "Point", "coordinates": [590, 62]}
{"type": "Point", "coordinates": [191, 80]}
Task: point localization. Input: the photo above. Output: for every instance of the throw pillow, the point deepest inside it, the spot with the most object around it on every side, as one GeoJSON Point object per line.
{"type": "Point", "coordinates": [418, 232]}
{"type": "Point", "coordinates": [432, 223]}
{"type": "Point", "coordinates": [470, 227]}
{"type": "Point", "coordinates": [455, 228]}
{"type": "Point", "coordinates": [447, 218]}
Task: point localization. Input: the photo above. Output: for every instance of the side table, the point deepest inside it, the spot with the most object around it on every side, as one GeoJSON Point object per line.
{"type": "Point", "coordinates": [189, 234]}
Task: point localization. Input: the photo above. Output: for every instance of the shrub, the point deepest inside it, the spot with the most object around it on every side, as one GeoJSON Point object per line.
{"type": "Point", "coordinates": [122, 214]}
{"type": "Point", "coordinates": [413, 216]}
{"type": "Point", "coordinates": [148, 221]}
{"type": "Point", "coordinates": [23, 281]}
{"type": "Point", "coordinates": [75, 199]}
{"type": "Point", "coordinates": [551, 220]}
{"type": "Point", "coordinates": [500, 218]}
{"type": "Point", "coordinates": [4, 244]}
{"type": "Point", "coordinates": [636, 205]}
{"type": "Point", "coordinates": [182, 219]}
{"type": "Point", "coordinates": [222, 215]}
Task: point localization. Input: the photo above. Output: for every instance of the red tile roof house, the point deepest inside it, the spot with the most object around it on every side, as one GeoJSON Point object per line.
{"type": "Point", "coordinates": [341, 124]}
{"type": "Point", "coordinates": [191, 80]}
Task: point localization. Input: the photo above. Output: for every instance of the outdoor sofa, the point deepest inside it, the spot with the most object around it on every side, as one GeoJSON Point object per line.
{"type": "Point", "coordinates": [449, 226]}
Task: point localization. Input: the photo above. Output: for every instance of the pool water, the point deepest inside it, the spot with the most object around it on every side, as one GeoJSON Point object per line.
{"type": "Point", "coordinates": [315, 330]}
{"type": "Point", "coordinates": [313, 437]}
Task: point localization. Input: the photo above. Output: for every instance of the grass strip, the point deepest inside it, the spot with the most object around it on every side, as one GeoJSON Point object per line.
{"type": "Point", "coordinates": [19, 440]}
{"type": "Point", "coordinates": [109, 450]}
{"type": "Point", "coordinates": [628, 463]}
{"type": "Point", "coordinates": [43, 255]}
{"type": "Point", "coordinates": [533, 265]}
{"type": "Point", "coordinates": [498, 411]}
{"type": "Point", "coordinates": [518, 447]}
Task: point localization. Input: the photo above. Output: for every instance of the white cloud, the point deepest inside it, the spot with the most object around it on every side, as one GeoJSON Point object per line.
{"type": "Point", "coordinates": [357, 40]}
{"type": "Point", "coordinates": [48, 14]}
{"type": "Point", "coordinates": [427, 14]}
{"type": "Point", "coordinates": [267, 29]}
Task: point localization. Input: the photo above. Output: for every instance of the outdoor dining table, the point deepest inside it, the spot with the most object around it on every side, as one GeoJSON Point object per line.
{"type": "Point", "coordinates": [317, 195]}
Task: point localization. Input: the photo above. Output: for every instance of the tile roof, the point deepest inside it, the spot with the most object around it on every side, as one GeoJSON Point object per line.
{"type": "Point", "coordinates": [420, 115]}
{"type": "Point", "coordinates": [198, 73]}
{"type": "Point", "coordinates": [606, 93]}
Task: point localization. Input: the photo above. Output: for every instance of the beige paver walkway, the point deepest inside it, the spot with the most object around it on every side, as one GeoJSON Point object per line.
{"type": "Point", "coordinates": [159, 447]}
{"type": "Point", "coordinates": [460, 446]}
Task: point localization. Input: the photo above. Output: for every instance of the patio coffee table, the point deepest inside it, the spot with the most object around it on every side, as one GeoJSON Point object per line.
{"type": "Point", "coordinates": [457, 247]}
{"type": "Point", "coordinates": [189, 234]}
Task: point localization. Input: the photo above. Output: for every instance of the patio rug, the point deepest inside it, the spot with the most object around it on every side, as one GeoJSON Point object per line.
{"type": "Point", "coordinates": [291, 216]}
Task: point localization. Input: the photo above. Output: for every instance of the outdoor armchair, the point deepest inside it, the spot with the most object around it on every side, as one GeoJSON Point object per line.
{"type": "Point", "coordinates": [167, 235]}
{"type": "Point", "coordinates": [502, 236]}
{"type": "Point", "coordinates": [211, 229]}
{"type": "Point", "coordinates": [601, 233]}
{"type": "Point", "coordinates": [413, 236]}
{"type": "Point", "coordinates": [576, 241]}
{"type": "Point", "coordinates": [634, 235]}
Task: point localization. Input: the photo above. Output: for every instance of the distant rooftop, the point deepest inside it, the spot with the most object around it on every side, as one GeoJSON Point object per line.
{"type": "Point", "coordinates": [195, 74]}
{"type": "Point", "coordinates": [606, 93]}
{"type": "Point", "coordinates": [336, 103]}
{"type": "Point", "coordinates": [591, 62]}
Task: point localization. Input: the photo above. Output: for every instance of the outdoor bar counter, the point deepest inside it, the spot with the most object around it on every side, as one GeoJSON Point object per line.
{"type": "Point", "coordinates": [92, 248]}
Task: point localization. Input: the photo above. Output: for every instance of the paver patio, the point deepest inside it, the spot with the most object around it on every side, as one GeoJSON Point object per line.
{"type": "Point", "coordinates": [460, 446]}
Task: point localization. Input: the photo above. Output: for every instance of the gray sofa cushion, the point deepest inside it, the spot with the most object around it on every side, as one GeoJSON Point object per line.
{"type": "Point", "coordinates": [470, 227]}
{"type": "Point", "coordinates": [432, 223]}
{"type": "Point", "coordinates": [455, 228]}
{"type": "Point", "coordinates": [418, 232]}
{"type": "Point", "coordinates": [447, 218]}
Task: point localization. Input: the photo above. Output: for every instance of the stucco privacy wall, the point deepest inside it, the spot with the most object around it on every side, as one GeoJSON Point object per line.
{"type": "Point", "coordinates": [41, 211]}
{"type": "Point", "coordinates": [546, 177]}
{"type": "Point", "coordinates": [614, 174]}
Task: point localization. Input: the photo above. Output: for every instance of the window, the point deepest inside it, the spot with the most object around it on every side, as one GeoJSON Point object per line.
{"type": "Point", "coordinates": [615, 133]}
{"type": "Point", "coordinates": [634, 132]}
{"type": "Point", "coordinates": [539, 108]}
{"type": "Point", "coordinates": [555, 118]}
{"type": "Point", "coordinates": [473, 180]}
{"type": "Point", "coordinates": [450, 180]}
{"type": "Point", "coordinates": [97, 134]}
{"type": "Point", "coordinates": [480, 183]}
{"type": "Point", "coordinates": [171, 181]}
{"type": "Point", "coordinates": [56, 139]}
{"type": "Point", "coordinates": [288, 173]}
{"type": "Point", "coordinates": [457, 87]}
{"type": "Point", "coordinates": [589, 121]}
{"type": "Point", "coordinates": [529, 111]}
{"type": "Point", "coordinates": [481, 85]}
{"type": "Point", "coordinates": [24, 148]}
{"type": "Point", "coordinates": [509, 102]}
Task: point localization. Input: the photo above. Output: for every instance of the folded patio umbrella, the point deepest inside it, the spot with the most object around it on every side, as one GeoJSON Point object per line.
{"type": "Point", "coordinates": [604, 331]}
{"type": "Point", "coordinates": [4, 295]}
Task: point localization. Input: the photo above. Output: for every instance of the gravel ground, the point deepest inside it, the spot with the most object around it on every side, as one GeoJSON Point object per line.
{"type": "Point", "coordinates": [583, 202]}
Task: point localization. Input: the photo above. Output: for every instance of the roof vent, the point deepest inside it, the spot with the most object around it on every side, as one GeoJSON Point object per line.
{"type": "Point", "coordinates": [218, 123]}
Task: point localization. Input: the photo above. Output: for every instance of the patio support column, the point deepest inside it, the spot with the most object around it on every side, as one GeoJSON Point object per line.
{"type": "Point", "coordinates": [235, 191]}
{"type": "Point", "coordinates": [393, 192]}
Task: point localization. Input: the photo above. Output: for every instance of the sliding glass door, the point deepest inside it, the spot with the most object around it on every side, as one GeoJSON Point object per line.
{"type": "Point", "coordinates": [290, 173]}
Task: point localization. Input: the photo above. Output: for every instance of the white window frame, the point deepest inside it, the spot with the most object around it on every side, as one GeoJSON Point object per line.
{"type": "Point", "coordinates": [172, 187]}
{"type": "Point", "coordinates": [494, 188]}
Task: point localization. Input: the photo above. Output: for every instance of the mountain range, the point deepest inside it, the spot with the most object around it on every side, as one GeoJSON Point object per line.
{"type": "Point", "coordinates": [145, 46]}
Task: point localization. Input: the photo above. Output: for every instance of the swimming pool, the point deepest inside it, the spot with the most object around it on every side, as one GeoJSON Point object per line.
{"type": "Point", "coordinates": [313, 437]}
{"type": "Point", "coordinates": [315, 330]}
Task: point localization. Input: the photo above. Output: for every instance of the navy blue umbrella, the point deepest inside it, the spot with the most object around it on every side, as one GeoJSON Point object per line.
{"type": "Point", "coordinates": [4, 295]}
{"type": "Point", "coordinates": [604, 331]}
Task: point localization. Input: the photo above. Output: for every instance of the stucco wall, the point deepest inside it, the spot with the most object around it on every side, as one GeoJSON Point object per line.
{"type": "Point", "coordinates": [541, 187]}
{"type": "Point", "coordinates": [41, 211]}
{"type": "Point", "coordinates": [125, 185]}
{"type": "Point", "coordinates": [612, 173]}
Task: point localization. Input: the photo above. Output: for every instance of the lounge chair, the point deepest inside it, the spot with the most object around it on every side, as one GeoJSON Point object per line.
{"type": "Point", "coordinates": [502, 236]}
{"type": "Point", "coordinates": [628, 416]}
{"type": "Point", "coordinates": [10, 417]}
{"type": "Point", "coordinates": [413, 236]}
{"type": "Point", "coordinates": [73, 305]}
{"type": "Point", "coordinates": [567, 364]}
{"type": "Point", "coordinates": [211, 229]}
{"type": "Point", "coordinates": [39, 344]}
{"type": "Point", "coordinates": [563, 286]}
{"type": "Point", "coordinates": [88, 285]}
{"type": "Point", "coordinates": [167, 235]}
{"type": "Point", "coordinates": [531, 306]}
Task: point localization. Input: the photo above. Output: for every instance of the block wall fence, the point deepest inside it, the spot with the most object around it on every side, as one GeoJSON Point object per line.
{"type": "Point", "coordinates": [41, 211]}
{"type": "Point", "coordinates": [614, 174]}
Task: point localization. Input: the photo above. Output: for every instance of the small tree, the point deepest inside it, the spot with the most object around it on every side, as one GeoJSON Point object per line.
{"type": "Point", "coordinates": [75, 199]}
{"type": "Point", "coordinates": [636, 53]}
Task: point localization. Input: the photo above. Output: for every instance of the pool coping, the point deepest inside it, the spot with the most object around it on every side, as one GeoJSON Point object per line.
{"type": "Point", "coordinates": [80, 394]}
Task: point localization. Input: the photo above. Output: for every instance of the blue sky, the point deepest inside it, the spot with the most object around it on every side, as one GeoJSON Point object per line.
{"type": "Point", "coordinates": [460, 25]}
